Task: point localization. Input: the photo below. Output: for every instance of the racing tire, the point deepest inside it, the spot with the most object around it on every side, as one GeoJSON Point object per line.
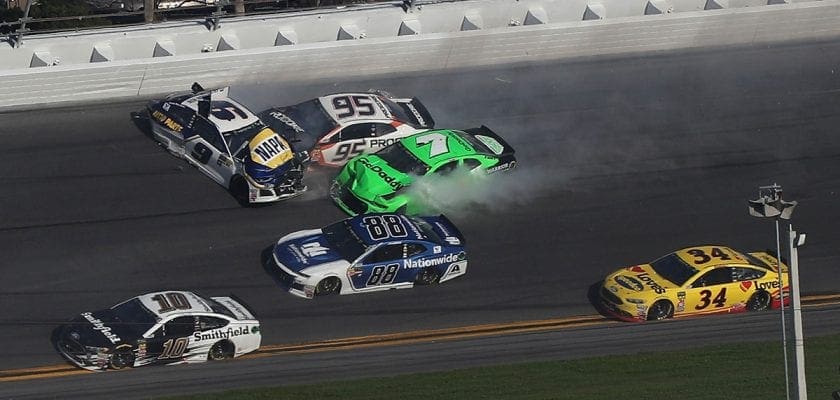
{"type": "Point", "coordinates": [759, 301]}
{"type": "Point", "coordinates": [239, 190]}
{"type": "Point", "coordinates": [662, 309]}
{"type": "Point", "coordinates": [221, 350]}
{"type": "Point", "coordinates": [328, 286]}
{"type": "Point", "coordinates": [427, 276]}
{"type": "Point", "coordinates": [122, 358]}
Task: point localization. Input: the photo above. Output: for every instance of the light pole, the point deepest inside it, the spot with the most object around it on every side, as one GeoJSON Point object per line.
{"type": "Point", "coordinates": [770, 205]}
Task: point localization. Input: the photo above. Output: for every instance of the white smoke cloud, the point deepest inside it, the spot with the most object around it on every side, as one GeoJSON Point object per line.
{"type": "Point", "coordinates": [474, 192]}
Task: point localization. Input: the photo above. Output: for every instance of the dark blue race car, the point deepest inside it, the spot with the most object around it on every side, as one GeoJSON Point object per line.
{"type": "Point", "coordinates": [368, 253]}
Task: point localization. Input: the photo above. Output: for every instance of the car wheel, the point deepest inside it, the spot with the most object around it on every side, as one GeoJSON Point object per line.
{"type": "Point", "coordinates": [660, 310]}
{"type": "Point", "coordinates": [239, 190]}
{"type": "Point", "coordinates": [221, 351]}
{"type": "Point", "coordinates": [427, 276]}
{"type": "Point", "coordinates": [759, 301]}
{"type": "Point", "coordinates": [328, 286]}
{"type": "Point", "coordinates": [122, 358]}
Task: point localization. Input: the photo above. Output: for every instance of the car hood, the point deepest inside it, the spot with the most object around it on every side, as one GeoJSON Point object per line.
{"type": "Point", "coordinates": [370, 176]}
{"type": "Point", "coordinates": [301, 252]}
{"type": "Point", "coordinates": [637, 280]}
{"type": "Point", "coordinates": [98, 328]}
{"type": "Point", "coordinates": [268, 158]}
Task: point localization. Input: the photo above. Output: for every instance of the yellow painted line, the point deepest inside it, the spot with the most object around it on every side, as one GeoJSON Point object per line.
{"type": "Point", "coordinates": [392, 339]}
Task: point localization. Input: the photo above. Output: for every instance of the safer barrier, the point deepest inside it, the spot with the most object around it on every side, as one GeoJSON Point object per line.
{"type": "Point", "coordinates": [389, 39]}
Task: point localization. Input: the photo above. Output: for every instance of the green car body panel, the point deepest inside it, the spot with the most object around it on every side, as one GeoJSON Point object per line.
{"type": "Point", "coordinates": [373, 183]}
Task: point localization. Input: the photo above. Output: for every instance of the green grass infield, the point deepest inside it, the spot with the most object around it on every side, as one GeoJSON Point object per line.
{"type": "Point", "coordinates": [732, 371]}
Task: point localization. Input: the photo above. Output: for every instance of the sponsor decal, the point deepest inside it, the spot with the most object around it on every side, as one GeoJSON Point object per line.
{"type": "Point", "coordinates": [222, 334]}
{"type": "Point", "coordinates": [416, 113]}
{"type": "Point", "coordinates": [309, 291]}
{"type": "Point", "coordinates": [644, 277]}
{"type": "Point", "coordinates": [385, 110]}
{"type": "Point", "coordinates": [313, 249]}
{"type": "Point", "coordinates": [224, 160]}
{"type": "Point", "coordinates": [269, 149]}
{"type": "Point", "coordinates": [491, 143]}
{"type": "Point", "coordinates": [766, 285]}
{"type": "Point", "coordinates": [437, 249]}
{"type": "Point", "coordinates": [100, 326]}
{"type": "Point", "coordinates": [381, 142]}
{"type": "Point", "coordinates": [636, 268]}
{"type": "Point", "coordinates": [234, 306]}
{"type": "Point", "coordinates": [353, 271]}
{"type": "Point", "coordinates": [286, 120]}
{"type": "Point", "coordinates": [141, 349]}
{"type": "Point", "coordinates": [680, 301]}
{"type": "Point", "coordinates": [746, 285]}
{"type": "Point", "coordinates": [166, 121]}
{"type": "Point", "coordinates": [629, 283]}
{"type": "Point", "coordinates": [297, 253]}
{"type": "Point", "coordinates": [390, 180]}
{"type": "Point", "coordinates": [428, 262]}
{"type": "Point", "coordinates": [507, 165]}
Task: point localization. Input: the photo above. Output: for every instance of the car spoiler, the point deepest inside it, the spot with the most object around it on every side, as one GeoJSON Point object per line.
{"type": "Point", "coordinates": [423, 117]}
{"type": "Point", "coordinates": [495, 143]}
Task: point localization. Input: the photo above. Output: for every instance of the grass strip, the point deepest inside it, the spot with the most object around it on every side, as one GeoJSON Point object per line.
{"type": "Point", "coordinates": [733, 371]}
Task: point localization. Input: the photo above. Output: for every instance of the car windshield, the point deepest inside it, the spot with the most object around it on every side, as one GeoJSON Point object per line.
{"type": "Point", "coordinates": [427, 230]}
{"type": "Point", "coordinates": [673, 268]}
{"type": "Point", "coordinates": [236, 139]}
{"type": "Point", "coordinates": [399, 158]}
{"type": "Point", "coordinates": [344, 240]}
{"type": "Point", "coordinates": [218, 308]}
{"type": "Point", "coordinates": [132, 316]}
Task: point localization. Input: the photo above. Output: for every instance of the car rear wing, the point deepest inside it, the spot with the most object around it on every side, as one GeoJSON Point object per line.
{"type": "Point", "coordinates": [492, 141]}
{"type": "Point", "coordinates": [422, 116]}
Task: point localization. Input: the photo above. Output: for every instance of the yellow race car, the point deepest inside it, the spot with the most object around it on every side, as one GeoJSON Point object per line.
{"type": "Point", "coordinates": [694, 281]}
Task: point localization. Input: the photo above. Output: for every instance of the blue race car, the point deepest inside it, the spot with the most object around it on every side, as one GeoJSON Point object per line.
{"type": "Point", "coordinates": [370, 252]}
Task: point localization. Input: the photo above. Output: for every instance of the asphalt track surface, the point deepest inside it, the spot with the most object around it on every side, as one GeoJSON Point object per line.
{"type": "Point", "coordinates": [620, 160]}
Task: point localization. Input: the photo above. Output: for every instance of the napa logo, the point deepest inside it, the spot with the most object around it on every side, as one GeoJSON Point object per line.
{"type": "Point", "coordinates": [269, 149]}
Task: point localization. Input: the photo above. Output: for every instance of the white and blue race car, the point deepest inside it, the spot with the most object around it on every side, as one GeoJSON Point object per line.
{"type": "Point", "coordinates": [368, 253]}
{"type": "Point", "coordinates": [229, 144]}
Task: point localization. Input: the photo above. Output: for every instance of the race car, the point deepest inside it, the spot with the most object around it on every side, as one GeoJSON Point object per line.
{"type": "Point", "coordinates": [229, 144]}
{"type": "Point", "coordinates": [377, 182]}
{"type": "Point", "coordinates": [368, 253]}
{"type": "Point", "coordinates": [159, 328]}
{"type": "Point", "coordinates": [695, 281]}
{"type": "Point", "coordinates": [337, 127]}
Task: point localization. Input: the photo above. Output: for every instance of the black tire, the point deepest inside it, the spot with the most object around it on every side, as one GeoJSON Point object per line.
{"type": "Point", "coordinates": [662, 309]}
{"type": "Point", "coordinates": [122, 358]}
{"type": "Point", "coordinates": [427, 276]}
{"type": "Point", "coordinates": [222, 350]}
{"type": "Point", "coordinates": [239, 190]}
{"type": "Point", "coordinates": [759, 301]}
{"type": "Point", "coordinates": [328, 286]}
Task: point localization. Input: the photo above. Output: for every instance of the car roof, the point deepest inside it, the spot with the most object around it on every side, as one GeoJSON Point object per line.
{"type": "Point", "coordinates": [380, 111]}
{"type": "Point", "coordinates": [155, 304]}
{"type": "Point", "coordinates": [359, 224]}
{"type": "Point", "coordinates": [457, 145]}
{"type": "Point", "coordinates": [714, 255]}
{"type": "Point", "coordinates": [230, 115]}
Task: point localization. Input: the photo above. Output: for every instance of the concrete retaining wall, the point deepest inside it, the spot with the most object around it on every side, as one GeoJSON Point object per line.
{"type": "Point", "coordinates": [259, 52]}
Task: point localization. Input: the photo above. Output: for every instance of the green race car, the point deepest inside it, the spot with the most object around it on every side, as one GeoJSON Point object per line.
{"type": "Point", "coordinates": [375, 183]}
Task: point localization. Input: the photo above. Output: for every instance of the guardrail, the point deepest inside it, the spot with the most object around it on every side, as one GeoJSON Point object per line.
{"type": "Point", "coordinates": [385, 39]}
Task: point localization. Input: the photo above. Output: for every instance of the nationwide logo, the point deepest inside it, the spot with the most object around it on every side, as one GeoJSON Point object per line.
{"type": "Point", "coordinates": [629, 283]}
{"type": "Point", "coordinates": [100, 326]}
{"type": "Point", "coordinates": [429, 262]}
{"type": "Point", "coordinates": [390, 180]}
{"type": "Point", "coordinates": [222, 334]}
